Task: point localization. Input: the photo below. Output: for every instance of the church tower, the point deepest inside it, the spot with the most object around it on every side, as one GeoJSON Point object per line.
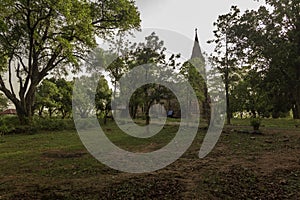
{"type": "Point", "coordinates": [196, 53]}
{"type": "Point", "coordinates": [198, 61]}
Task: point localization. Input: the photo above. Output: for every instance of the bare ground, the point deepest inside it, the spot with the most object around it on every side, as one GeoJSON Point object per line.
{"type": "Point", "coordinates": [242, 166]}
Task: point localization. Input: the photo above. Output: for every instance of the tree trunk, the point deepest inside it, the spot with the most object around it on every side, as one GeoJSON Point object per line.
{"type": "Point", "coordinates": [25, 113]}
{"type": "Point", "coordinates": [132, 111]}
{"type": "Point", "coordinates": [147, 117]}
{"type": "Point", "coordinates": [147, 113]}
{"type": "Point", "coordinates": [63, 114]}
{"type": "Point", "coordinates": [296, 96]}
{"type": "Point", "coordinates": [26, 110]}
{"type": "Point", "coordinates": [253, 112]}
{"type": "Point", "coordinates": [135, 111]}
{"type": "Point", "coordinates": [41, 111]}
{"type": "Point", "coordinates": [296, 111]}
{"type": "Point", "coordinates": [207, 108]}
{"type": "Point", "coordinates": [50, 112]}
{"type": "Point", "coordinates": [228, 112]}
{"type": "Point", "coordinates": [23, 117]}
{"type": "Point", "coordinates": [105, 118]}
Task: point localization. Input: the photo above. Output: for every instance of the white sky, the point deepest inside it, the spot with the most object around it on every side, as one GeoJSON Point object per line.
{"type": "Point", "coordinates": [183, 16]}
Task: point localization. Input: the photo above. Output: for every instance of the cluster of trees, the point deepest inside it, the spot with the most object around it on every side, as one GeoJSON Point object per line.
{"type": "Point", "coordinates": [42, 37]}
{"type": "Point", "coordinates": [90, 98]}
{"type": "Point", "coordinates": [54, 96]}
{"type": "Point", "coordinates": [154, 63]}
{"type": "Point", "coordinates": [150, 53]}
{"type": "Point", "coordinates": [258, 55]}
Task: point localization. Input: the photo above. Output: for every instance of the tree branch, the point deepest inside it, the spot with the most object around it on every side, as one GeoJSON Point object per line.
{"type": "Point", "coordinates": [9, 75]}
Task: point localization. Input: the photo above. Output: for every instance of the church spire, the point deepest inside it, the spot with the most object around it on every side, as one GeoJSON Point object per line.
{"type": "Point", "coordinates": [196, 35]}
{"type": "Point", "coordinates": [198, 61]}
{"type": "Point", "coordinates": [196, 49]}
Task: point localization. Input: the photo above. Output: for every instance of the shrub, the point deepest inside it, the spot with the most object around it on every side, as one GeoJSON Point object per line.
{"type": "Point", "coordinates": [53, 124]}
{"type": "Point", "coordinates": [8, 124]}
{"type": "Point", "coordinates": [25, 129]}
{"type": "Point", "coordinates": [255, 123]}
{"type": "Point", "coordinates": [11, 125]}
{"type": "Point", "coordinates": [86, 123]}
{"type": "Point", "coordinates": [4, 130]}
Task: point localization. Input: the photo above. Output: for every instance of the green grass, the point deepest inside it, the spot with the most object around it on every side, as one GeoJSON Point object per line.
{"type": "Point", "coordinates": [55, 165]}
{"type": "Point", "coordinates": [50, 159]}
{"type": "Point", "coordinates": [270, 123]}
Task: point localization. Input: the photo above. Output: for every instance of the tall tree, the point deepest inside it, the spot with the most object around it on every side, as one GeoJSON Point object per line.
{"type": "Point", "coordinates": [125, 56]}
{"type": "Point", "coordinates": [270, 39]}
{"type": "Point", "coordinates": [225, 52]}
{"type": "Point", "coordinates": [249, 95]}
{"type": "Point", "coordinates": [103, 98]}
{"type": "Point", "coordinates": [38, 37]}
{"type": "Point", "coordinates": [151, 52]}
{"type": "Point", "coordinates": [64, 97]}
{"type": "Point", "coordinates": [101, 60]}
{"type": "Point", "coordinates": [83, 94]}
{"type": "Point", "coordinates": [46, 94]}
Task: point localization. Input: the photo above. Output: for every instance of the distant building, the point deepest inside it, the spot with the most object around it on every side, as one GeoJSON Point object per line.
{"type": "Point", "coordinates": [198, 56]}
{"type": "Point", "coordinates": [9, 112]}
{"type": "Point", "coordinates": [201, 106]}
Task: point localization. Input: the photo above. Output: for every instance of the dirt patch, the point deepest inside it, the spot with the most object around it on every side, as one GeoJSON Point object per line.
{"type": "Point", "coordinates": [243, 183]}
{"type": "Point", "coordinates": [270, 162]}
{"type": "Point", "coordinates": [241, 166]}
{"type": "Point", "coordinates": [145, 187]}
{"type": "Point", "coordinates": [63, 154]}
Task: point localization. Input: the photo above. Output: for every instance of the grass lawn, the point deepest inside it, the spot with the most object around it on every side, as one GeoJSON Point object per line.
{"type": "Point", "coordinates": [270, 123]}
{"type": "Point", "coordinates": [55, 165]}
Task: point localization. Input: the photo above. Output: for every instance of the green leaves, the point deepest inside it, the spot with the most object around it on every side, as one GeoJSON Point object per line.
{"type": "Point", "coordinates": [193, 71]}
{"type": "Point", "coordinates": [226, 56]}
{"type": "Point", "coordinates": [103, 96]}
{"type": "Point", "coordinates": [271, 41]}
{"type": "Point", "coordinates": [39, 37]}
{"type": "Point", "coordinates": [115, 14]}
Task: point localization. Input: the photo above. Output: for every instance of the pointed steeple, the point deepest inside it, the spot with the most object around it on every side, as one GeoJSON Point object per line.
{"type": "Point", "coordinates": [196, 36]}
{"type": "Point", "coordinates": [196, 49]}
{"type": "Point", "coordinates": [198, 61]}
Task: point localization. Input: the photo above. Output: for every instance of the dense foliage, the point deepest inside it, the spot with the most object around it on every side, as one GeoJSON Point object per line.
{"type": "Point", "coordinates": [42, 37]}
{"type": "Point", "coordinates": [265, 45]}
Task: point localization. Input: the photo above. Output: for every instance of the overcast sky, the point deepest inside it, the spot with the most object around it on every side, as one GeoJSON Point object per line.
{"type": "Point", "coordinates": [183, 16]}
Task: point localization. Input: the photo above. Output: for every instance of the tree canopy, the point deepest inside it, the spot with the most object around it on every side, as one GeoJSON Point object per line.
{"type": "Point", "coordinates": [270, 37]}
{"type": "Point", "coordinates": [268, 41]}
{"type": "Point", "coordinates": [42, 37]}
{"type": "Point", "coordinates": [226, 51]}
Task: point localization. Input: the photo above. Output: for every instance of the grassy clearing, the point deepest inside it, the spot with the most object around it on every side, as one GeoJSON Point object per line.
{"type": "Point", "coordinates": [55, 165]}
{"type": "Point", "coordinates": [270, 123]}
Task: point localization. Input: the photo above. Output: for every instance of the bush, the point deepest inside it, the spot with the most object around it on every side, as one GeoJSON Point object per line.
{"type": "Point", "coordinates": [86, 123]}
{"type": "Point", "coordinates": [45, 124]}
{"type": "Point", "coordinates": [11, 125]}
{"type": "Point", "coordinates": [8, 124]}
{"type": "Point", "coordinates": [255, 123]}
{"type": "Point", "coordinates": [25, 129]}
{"type": "Point", "coordinates": [53, 124]}
{"type": "Point", "coordinates": [4, 130]}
